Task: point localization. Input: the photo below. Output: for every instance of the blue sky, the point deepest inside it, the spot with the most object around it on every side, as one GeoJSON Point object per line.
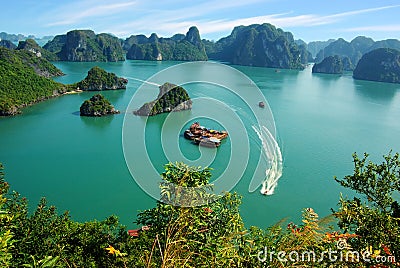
{"type": "Point", "coordinates": [309, 20]}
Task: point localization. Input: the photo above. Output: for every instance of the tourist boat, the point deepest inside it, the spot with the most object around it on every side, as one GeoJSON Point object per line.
{"type": "Point", "coordinates": [203, 136]}
{"type": "Point", "coordinates": [208, 142]}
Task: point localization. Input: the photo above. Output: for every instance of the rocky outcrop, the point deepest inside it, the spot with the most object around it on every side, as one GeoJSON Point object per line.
{"type": "Point", "coordinates": [170, 98]}
{"type": "Point", "coordinates": [330, 65]}
{"type": "Point", "coordinates": [98, 79]}
{"type": "Point", "coordinates": [180, 47]}
{"type": "Point", "coordinates": [260, 45]}
{"type": "Point", "coordinates": [355, 49]}
{"type": "Point", "coordinates": [31, 46]}
{"type": "Point", "coordinates": [382, 65]}
{"type": "Point", "coordinates": [97, 106]}
{"type": "Point", "coordinates": [7, 44]}
{"type": "Point", "coordinates": [23, 82]}
{"type": "Point", "coordinates": [85, 45]}
{"type": "Point", "coordinates": [315, 46]}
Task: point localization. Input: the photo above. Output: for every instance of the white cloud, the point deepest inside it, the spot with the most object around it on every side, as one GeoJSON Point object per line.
{"type": "Point", "coordinates": [78, 13]}
{"type": "Point", "coordinates": [375, 28]}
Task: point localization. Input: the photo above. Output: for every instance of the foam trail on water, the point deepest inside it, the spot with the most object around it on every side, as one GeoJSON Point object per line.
{"type": "Point", "coordinates": [274, 158]}
{"type": "Point", "coordinates": [143, 81]}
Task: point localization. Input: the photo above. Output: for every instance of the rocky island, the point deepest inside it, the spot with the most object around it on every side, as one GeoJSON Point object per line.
{"type": "Point", "coordinates": [97, 106]}
{"type": "Point", "coordinates": [25, 80]}
{"type": "Point", "coordinates": [329, 65]}
{"type": "Point", "coordinates": [85, 45]}
{"type": "Point", "coordinates": [170, 98]}
{"type": "Point", "coordinates": [180, 47]}
{"type": "Point", "coordinates": [381, 65]}
{"type": "Point", "coordinates": [261, 45]}
{"type": "Point", "coordinates": [98, 79]}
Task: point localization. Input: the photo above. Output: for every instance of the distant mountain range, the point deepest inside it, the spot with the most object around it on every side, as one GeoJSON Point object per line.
{"type": "Point", "coordinates": [254, 45]}
{"type": "Point", "coordinates": [15, 38]}
{"type": "Point", "coordinates": [261, 45]}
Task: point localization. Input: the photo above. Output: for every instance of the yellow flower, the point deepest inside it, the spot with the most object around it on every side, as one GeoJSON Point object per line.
{"type": "Point", "coordinates": [111, 250]}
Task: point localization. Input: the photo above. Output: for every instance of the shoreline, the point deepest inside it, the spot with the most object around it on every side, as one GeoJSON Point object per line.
{"type": "Point", "coordinates": [77, 91]}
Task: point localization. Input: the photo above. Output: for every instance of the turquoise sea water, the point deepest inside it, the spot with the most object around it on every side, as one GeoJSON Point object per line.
{"type": "Point", "coordinates": [78, 163]}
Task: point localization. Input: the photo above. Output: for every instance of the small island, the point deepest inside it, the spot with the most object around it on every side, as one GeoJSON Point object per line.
{"type": "Point", "coordinates": [381, 65]}
{"type": "Point", "coordinates": [97, 106]}
{"type": "Point", "coordinates": [171, 98]}
{"type": "Point", "coordinates": [329, 65]}
{"type": "Point", "coordinates": [98, 79]}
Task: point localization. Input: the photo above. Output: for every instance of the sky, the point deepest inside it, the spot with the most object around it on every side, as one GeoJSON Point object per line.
{"type": "Point", "coordinates": [308, 20]}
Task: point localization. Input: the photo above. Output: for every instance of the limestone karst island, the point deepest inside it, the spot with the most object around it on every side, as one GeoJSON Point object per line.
{"type": "Point", "coordinates": [200, 134]}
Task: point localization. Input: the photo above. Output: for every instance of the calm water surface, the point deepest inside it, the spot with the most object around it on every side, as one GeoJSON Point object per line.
{"type": "Point", "coordinates": [78, 163]}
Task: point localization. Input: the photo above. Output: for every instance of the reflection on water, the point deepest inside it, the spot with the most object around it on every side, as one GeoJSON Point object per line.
{"type": "Point", "coordinates": [98, 122]}
{"type": "Point", "coordinates": [382, 93]}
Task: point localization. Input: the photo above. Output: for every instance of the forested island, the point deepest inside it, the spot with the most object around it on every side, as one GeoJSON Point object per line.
{"type": "Point", "coordinates": [171, 98]}
{"type": "Point", "coordinates": [180, 47]}
{"type": "Point", "coordinates": [25, 68]}
{"type": "Point", "coordinates": [382, 65]}
{"type": "Point", "coordinates": [98, 79]}
{"type": "Point", "coordinates": [85, 45]}
{"type": "Point", "coordinates": [261, 45]}
{"type": "Point", "coordinates": [97, 106]}
{"type": "Point", "coordinates": [329, 65]}
{"type": "Point", "coordinates": [26, 79]}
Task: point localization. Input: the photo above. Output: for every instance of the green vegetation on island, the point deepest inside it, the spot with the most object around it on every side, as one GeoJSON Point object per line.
{"type": "Point", "coordinates": [187, 47]}
{"type": "Point", "coordinates": [32, 46]}
{"type": "Point", "coordinates": [212, 234]}
{"type": "Point", "coordinates": [355, 49]}
{"type": "Point", "coordinates": [170, 98]}
{"type": "Point", "coordinates": [330, 65]}
{"type": "Point", "coordinates": [24, 80]}
{"type": "Point", "coordinates": [382, 65]}
{"type": "Point", "coordinates": [85, 45]}
{"type": "Point", "coordinates": [260, 45]}
{"type": "Point", "coordinates": [98, 79]}
{"type": "Point", "coordinates": [97, 105]}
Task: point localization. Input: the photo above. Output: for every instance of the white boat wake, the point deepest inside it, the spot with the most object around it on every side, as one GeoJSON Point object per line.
{"type": "Point", "coordinates": [143, 81]}
{"type": "Point", "coordinates": [273, 155]}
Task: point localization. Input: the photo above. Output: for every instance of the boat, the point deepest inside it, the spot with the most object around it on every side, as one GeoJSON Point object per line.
{"type": "Point", "coordinates": [208, 142]}
{"type": "Point", "coordinates": [204, 136]}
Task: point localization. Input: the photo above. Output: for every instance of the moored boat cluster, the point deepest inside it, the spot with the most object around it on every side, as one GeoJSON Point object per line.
{"type": "Point", "coordinates": [204, 136]}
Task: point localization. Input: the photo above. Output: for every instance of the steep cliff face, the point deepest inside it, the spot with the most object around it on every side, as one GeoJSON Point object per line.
{"type": "Point", "coordinates": [330, 65]}
{"type": "Point", "coordinates": [382, 65]}
{"type": "Point", "coordinates": [187, 47]}
{"type": "Point", "coordinates": [7, 44]}
{"type": "Point", "coordinates": [97, 106]}
{"type": "Point", "coordinates": [260, 45]}
{"type": "Point", "coordinates": [170, 98]}
{"type": "Point", "coordinates": [355, 49]}
{"type": "Point", "coordinates": [31, 46]}
{"type": "Point", "coordinates": [98, 79]}
{"type": "Point", "coordinates": [24, 80]}
{"type": "Point", "coordinates": [85, 45]}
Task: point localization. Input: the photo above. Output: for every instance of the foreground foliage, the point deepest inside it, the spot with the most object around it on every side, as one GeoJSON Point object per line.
{"type": "Point", "coordinates": [211, 233]}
